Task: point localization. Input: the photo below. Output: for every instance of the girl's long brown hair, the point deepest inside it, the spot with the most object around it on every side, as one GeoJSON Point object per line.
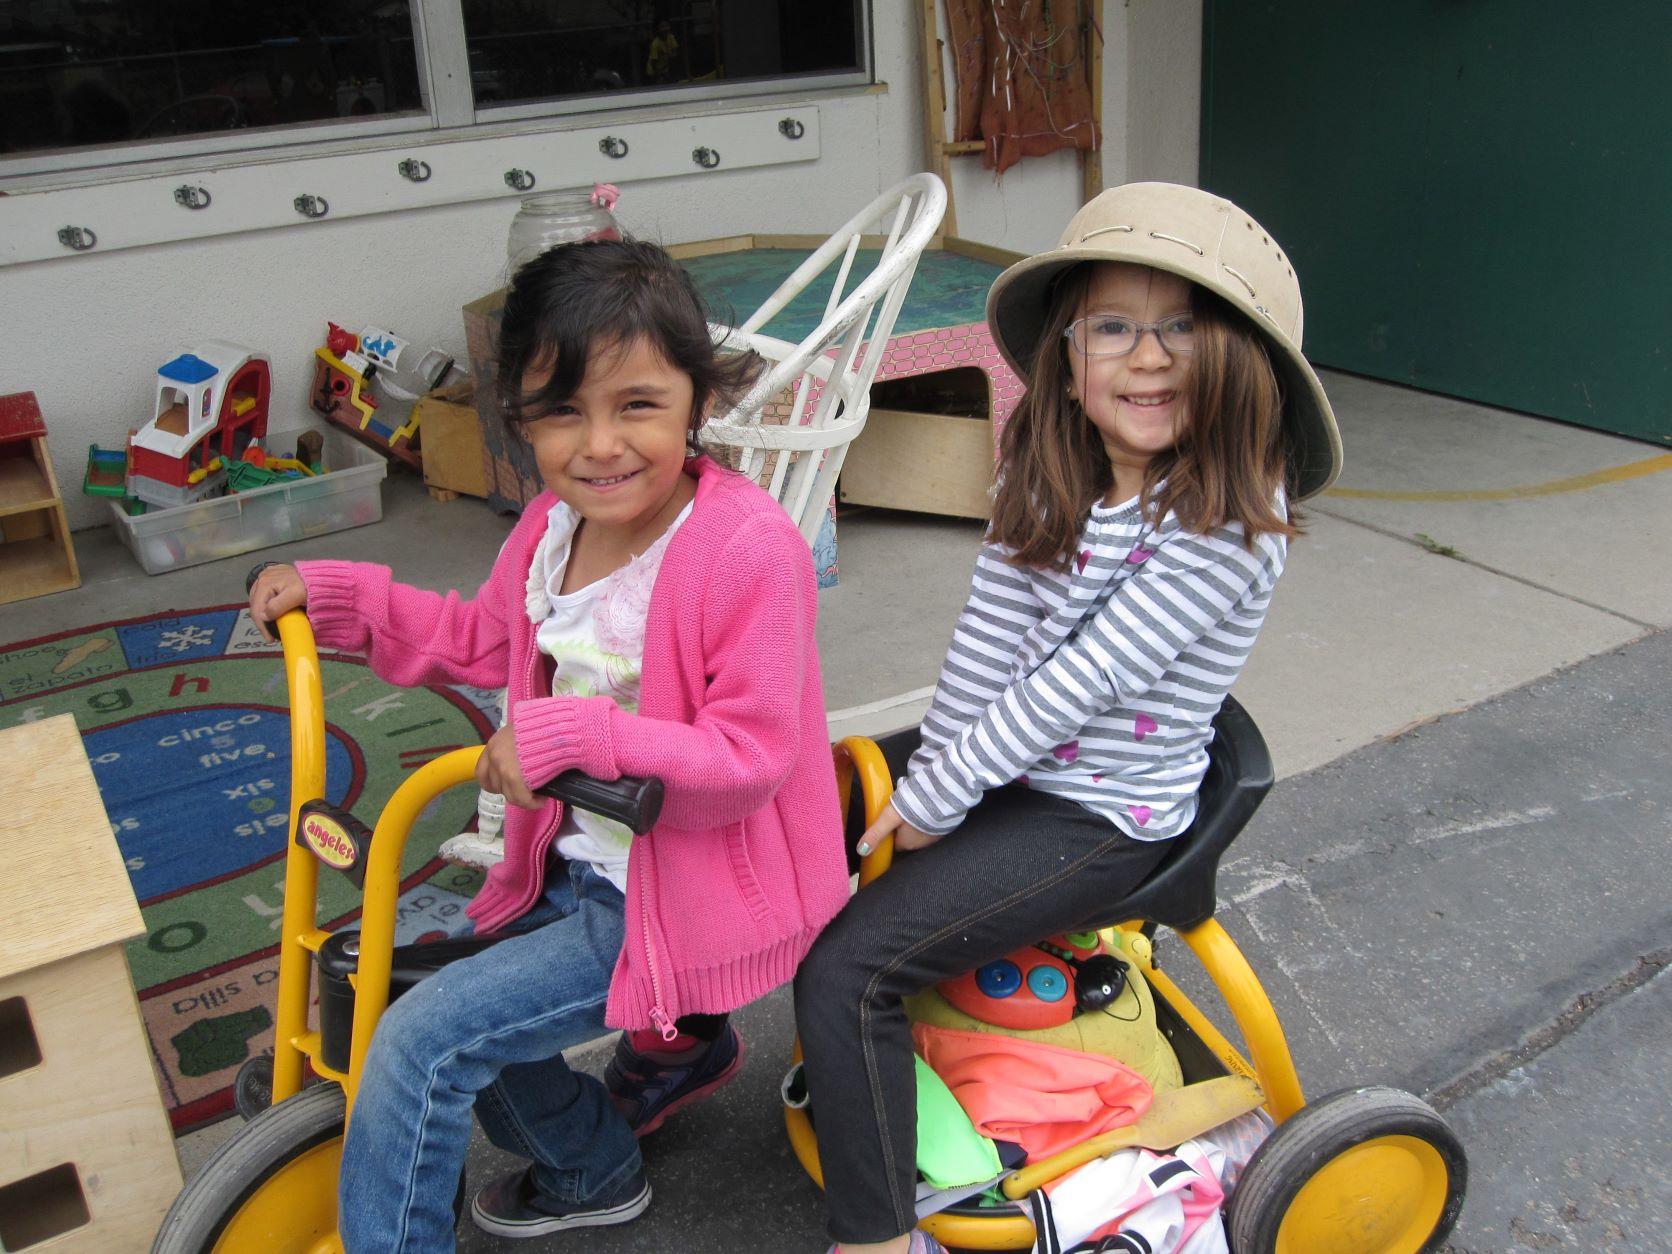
{"type": "Point", "coordinates": [1225, 466]}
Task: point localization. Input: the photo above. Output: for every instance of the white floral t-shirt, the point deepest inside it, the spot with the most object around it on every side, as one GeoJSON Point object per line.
{"type": "Point", "coordinates": [595, 638]}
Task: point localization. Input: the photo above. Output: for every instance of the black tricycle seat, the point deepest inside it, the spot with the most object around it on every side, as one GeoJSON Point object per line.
{"type": "Point", "coordinates": [1180, 892]}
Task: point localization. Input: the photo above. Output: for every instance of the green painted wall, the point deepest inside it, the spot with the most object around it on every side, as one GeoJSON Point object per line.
{"type": "Point", "coordinates": [1477, 194]}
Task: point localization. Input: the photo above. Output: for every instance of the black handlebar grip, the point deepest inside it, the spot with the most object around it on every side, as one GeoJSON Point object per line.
{"type": "Point", "coordinates": [255, 573]}
{"type": "Point", "coordinates": [631, 800]}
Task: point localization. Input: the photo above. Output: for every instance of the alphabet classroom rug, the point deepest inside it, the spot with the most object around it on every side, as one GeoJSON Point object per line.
{"type": "Point", "coordinates": [185, 718]}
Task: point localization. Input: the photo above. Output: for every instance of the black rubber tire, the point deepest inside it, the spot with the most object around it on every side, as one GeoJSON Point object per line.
{"type": "Point", "coordinates": [243, 1164]}
{"type": "Point", "coordinates": [252, 1088]}
{"type": "Point", "coordinates": [1314, 1136]}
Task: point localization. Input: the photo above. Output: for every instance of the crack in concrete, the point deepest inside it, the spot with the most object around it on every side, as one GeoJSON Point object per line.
{"type": "Point", "coordinates": [1497, 1066]}
{"type": "Point", "coordinates": [1493, 570]}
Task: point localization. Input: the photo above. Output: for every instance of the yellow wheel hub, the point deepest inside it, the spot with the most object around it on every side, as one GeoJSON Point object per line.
{"type": "Point", "coordinates": [1384, 1196]}
{"type": "Point", "coordinates": [294, 1211]}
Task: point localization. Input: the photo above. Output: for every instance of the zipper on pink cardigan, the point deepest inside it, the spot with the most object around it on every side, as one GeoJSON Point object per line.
{"type": "Point", "coordinates": [658, 1015]}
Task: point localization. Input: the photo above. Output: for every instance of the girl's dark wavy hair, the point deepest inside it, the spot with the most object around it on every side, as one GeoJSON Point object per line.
{"type": "Point", "coordinates": [576, 299]}
{"type": "Point", "coordinates": [1227, 463]}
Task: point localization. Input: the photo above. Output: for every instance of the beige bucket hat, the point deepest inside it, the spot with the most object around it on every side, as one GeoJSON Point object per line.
{"type": "Point", "coordinates": [1207, 240]}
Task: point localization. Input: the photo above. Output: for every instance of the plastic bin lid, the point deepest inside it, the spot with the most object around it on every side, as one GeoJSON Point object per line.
{"type": "Point", "coordinates": [187, 368]}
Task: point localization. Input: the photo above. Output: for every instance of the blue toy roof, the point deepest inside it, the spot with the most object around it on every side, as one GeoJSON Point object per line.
{"type": "Point", "coordinates": [188, 369]}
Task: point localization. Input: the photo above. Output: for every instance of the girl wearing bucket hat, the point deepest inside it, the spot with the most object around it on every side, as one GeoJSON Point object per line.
{"type": "Point", "coordinates": [1140, 525]}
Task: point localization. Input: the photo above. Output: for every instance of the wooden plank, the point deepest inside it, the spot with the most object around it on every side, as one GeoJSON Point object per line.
{"type": "Point", "coordinates": [63, 885]}
{"type": "Point", "coordinates": [930, 463]}
{"type": "Point", "coordinates": [812, 242]}
{"type": "Point", "coordinates": [955, 147]}
{"type": "Point", "coordinates": [35, 567]}
{"type": "Point", "coordinates": [1091, 160]}
{"type": "Point", "coordinates": [91, 1102]}
{"type": "Point", "coordinates": [455, 459]}
{"type": "Point", "coordinates": [934, 109]}
{"type": "Point", "coordinates": [709, 247]}
{"type": "Point", "coordinates": [23, 486]}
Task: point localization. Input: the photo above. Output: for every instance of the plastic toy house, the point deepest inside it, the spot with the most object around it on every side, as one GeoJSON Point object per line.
{"type": "Point", "coordinates": [86, 1154]}
{"type": "Point", "coordinates": [211, 403]}
{"type": "Point", "coordinates": [36, 556]}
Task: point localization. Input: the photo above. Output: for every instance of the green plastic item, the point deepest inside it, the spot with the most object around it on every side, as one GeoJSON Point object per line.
{"type": "Point", "coordinates": [950, 1152]}
{"type": "Point", "coordinates": [107, 472]}
{"type": "Point", "coordinates": [242, 476]}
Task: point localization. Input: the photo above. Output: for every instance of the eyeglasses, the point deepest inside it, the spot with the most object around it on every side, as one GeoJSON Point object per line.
{"type": "Point", "coordinates": [1104, 335]}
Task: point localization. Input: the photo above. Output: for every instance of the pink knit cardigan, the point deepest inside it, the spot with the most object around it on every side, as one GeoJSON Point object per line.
{"type": "Point", "coordinates": [728, 892]}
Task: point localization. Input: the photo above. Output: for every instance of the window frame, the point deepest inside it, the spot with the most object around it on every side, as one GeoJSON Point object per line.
{"type": "Point", "coordinates": [449, 113]}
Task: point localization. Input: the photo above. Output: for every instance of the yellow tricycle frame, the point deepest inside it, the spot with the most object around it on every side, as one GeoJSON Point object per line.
{"type": "Point", "coordinates": [1272, 1068]}
{"type": "Point", "coordinates": [300, 934]}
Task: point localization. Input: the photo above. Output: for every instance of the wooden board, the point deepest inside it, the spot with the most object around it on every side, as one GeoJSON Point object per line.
{"type": "Point", "coordinates": [931, 463]}
{"type": "Point", "coordinates": [91, 1104]}
{"type": "Point", "coordinates": [63, 887]}
{"type": "Point", "coordinates": [22, 485]}
{"type": "Point", "coordinates": [452, 437]}
{"type": "Point", "coordinates": [37, 555]}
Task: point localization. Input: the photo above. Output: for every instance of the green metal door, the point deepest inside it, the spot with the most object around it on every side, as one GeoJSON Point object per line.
{"type": "Point", "coordinates": [1477, 194]}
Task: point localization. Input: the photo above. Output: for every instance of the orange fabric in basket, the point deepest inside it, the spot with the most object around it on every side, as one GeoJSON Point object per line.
{"type": "Point", "coordinates": [1043, 1097]}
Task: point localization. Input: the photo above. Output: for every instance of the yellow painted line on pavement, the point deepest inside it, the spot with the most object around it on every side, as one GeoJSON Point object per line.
{"type": "Point", "coordinates": [1578, 483]}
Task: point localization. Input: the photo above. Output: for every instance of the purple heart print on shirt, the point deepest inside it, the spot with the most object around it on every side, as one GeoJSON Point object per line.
{"type": "Point", "coordinates": [1140, 814]}
{"type": "Point", "coordinates": [1068, 752]}
{"type": "Point", "coordinates": [1143, 725]}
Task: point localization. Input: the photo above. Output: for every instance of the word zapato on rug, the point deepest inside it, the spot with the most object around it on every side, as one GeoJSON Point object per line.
{"type": "Point", "coordinates": [185, 719]}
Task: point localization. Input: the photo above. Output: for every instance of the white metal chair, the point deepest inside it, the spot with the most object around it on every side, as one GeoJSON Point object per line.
{"type": "Point", "coordinates": [794, 448]}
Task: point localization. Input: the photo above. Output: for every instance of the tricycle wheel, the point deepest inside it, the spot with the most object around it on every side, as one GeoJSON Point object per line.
{"type": "Point", "coordinates": [272, 1187]}
{"type": "Point", "coordinates": [252, 1088]}
{"type": "Point", "coordinates": [1363, 1171]}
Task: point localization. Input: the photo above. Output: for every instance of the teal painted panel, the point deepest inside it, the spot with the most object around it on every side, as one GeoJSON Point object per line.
{"type": "Point", "coordinates": [1474, 195]}
{"type": "Point", "coordinates": [948, 290]}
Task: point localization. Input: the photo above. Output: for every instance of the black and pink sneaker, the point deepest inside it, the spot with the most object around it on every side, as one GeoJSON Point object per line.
{"type": "Point", "coordinates": [649, 1080]}
{"type": "Point", "coordinates": [921, 1243]}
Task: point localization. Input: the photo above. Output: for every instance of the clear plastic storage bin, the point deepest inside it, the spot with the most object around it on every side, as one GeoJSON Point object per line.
{"type": "Point", "coordinates": [350, 495]}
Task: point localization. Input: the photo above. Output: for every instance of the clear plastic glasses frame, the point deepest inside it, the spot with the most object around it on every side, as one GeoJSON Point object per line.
{"type": "Point", "coordinates": [1177, 334]}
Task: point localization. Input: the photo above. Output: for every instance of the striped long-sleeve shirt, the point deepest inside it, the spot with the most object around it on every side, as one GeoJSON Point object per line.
{"type": "Point", "coordinates": [1098, 684]}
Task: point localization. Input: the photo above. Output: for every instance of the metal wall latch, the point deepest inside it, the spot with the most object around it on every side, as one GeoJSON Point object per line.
{"type": "Point", "coordinates": [192, 196]}
{"type": "Point", "coordinates": [519, 179]}
{"type": "Point", "coordinates": [311, 206]}
{"type": "Point", "coordinates": [791, 128]}
{"type": "Point", "coordinates": [613, 146]}
{"type": "Point", "coordinates": [414, 169]}
{"type": "Point", "coordinates": [80, 238]}
{"type": "Point", "coordinates": [707, 158]}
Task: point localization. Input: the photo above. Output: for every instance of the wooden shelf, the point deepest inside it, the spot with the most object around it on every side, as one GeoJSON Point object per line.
{"type": "Point", "coordinates": [23, 486]}
{"type": "Point", "coordinates": [36, 555]}
{"type": "Point", "coordinates": [33, 568]}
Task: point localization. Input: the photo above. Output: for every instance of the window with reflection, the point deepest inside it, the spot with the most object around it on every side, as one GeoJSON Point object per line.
{"type": "Point", "coordinates": [81, 73]}
{"type": "Point", "coordinates": [526, 51]}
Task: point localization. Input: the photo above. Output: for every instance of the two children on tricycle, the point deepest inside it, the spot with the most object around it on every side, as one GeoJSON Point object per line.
{"type": "Point", "coordinates": [652, 615]}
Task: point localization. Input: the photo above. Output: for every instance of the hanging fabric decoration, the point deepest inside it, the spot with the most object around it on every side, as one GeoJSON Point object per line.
{"type": "Point", "coordinates": [1021, 76]}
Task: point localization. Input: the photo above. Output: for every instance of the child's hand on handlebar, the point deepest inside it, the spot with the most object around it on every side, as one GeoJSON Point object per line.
{"type": "Point", "coordinates": [498, 770]}
{"type": "Point", "coordinates": [277, 590]}
{"type": "Point", "coordinates": [889, 823]}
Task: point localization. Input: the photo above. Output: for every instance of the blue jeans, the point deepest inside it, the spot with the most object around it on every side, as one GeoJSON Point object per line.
{"type": "Point", "coordinates": [488, 1031]}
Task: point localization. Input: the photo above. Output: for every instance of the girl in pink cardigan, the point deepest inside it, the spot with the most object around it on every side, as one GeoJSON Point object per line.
{"type": "Point", "coordinates": [651, 614]}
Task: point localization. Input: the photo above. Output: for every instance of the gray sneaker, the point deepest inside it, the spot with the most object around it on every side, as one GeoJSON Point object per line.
{"type": "Point", "coordinates": [513, 1207]}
